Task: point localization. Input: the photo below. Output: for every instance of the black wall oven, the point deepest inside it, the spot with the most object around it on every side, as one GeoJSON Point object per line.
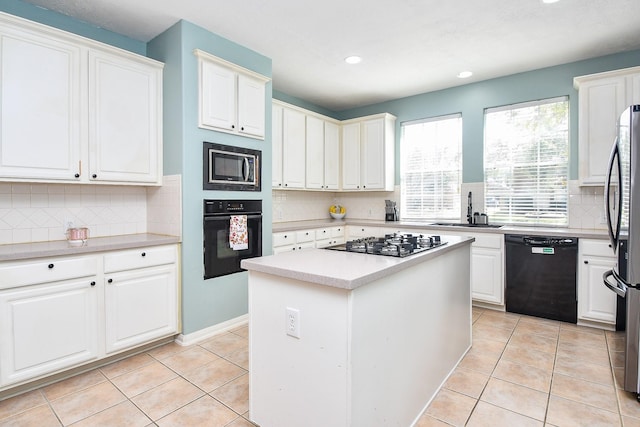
{"type": "Point", "coordinates": [232, 232]}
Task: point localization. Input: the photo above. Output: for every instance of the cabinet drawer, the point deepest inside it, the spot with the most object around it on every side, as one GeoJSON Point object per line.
{"type": "Point", "coordinates": [337, 232]}
{"type": "Point", "coordinates": [305, 236]}
{"type": "Point", "coordinates": [494, 241]}
{"type": "Point", "coordinates": [283, 239]}
{"type": "Point", "coordinates": [46, 270]}
{"type": "Point", "coordinates": [323, 233]}
{"type": "Point", "coordinates": [139, 258]}
{"type": "Point", "coordinates": [596, 248]}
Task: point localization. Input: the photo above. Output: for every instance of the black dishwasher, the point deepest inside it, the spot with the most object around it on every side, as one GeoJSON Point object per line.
{"type": "Point", "coordinates": [541, 276]}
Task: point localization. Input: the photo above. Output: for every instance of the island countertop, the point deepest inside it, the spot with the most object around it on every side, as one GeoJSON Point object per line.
{"type": "Point", "coordinates": [345, 270]}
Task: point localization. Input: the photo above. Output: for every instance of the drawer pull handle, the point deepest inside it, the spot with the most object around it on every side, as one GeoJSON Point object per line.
{"type": "Point", "coordinates": [77, 175]}
{"type": "Point", "coordinates": [110, 281]}
{"type": "Point", "coordinates": [586, 262]}
{"type": "Point", "coordinates": [94, 176]}
{"type": "Point", "coordinates": [50, 265]}
{"type": "Point", "coordinates": [144, 254]}
{"type": "Point", "coordinates": [93, 283]}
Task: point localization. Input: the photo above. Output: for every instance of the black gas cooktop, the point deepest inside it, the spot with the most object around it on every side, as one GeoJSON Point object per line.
{"type": "Point", "coordinates": [397, 244]}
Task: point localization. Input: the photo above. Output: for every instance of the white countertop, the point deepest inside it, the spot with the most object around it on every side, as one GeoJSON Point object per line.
{"type": "Point", "coordinates": [98, 244]}
{"type": "Point", "coordinates": [405, 225]}
{"type": "Point", "coordinates": [345, 270]}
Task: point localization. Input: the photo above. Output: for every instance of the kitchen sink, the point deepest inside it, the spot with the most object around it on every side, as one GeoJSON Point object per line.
{"type": "Point", "coordinates": [465, 224]}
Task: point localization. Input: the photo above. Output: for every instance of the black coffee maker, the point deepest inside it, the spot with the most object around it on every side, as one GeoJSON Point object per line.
{"type": "Point", "coordinates": [391, 211]}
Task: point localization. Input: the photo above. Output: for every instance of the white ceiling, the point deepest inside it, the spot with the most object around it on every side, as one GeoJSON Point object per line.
{"type": "Point", "coordinates": [408, 46]}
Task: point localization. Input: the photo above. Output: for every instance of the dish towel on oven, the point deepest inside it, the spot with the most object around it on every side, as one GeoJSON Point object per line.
{"type": "Point", "coordinates": [238, 233]}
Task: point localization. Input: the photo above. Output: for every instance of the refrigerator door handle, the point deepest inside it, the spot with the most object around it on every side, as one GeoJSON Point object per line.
{"type": "Point", "coordinates": [619, 288]}
{"type": "Point", "coordinates": [614, 158]}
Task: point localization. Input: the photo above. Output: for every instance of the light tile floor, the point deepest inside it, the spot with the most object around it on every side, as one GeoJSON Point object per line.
{"type": "Point", "coordinates": [521, 371]}
{"type": "Point", "coordinates": [200, 385]}
{"type": "Point", "coordinates": [526, 371]}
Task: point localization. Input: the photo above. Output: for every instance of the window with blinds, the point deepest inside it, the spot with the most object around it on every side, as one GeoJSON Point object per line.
{"type": "Point", "coordinates": [526, 163]}
{"type": "Point", "coordinates": [431, 168]}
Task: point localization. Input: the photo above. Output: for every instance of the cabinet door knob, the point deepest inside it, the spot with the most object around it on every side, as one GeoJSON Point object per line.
{"type": "Point", "coordinates": [233, 126]}
{"type": "Point", "coordinates": [93, 283]}
{"type": "Point", "coordinates": [143, 254]}
{"type": "Point", "coordinates": [77, 175]}
{"type": "Point", "coordinates": [110, 281]}
{"type": "Point", "coordinates": [50, 265]}
{"type": "Point", "coordinates": [242, 128]}
{"type": "Point", "coordinates": [94, 176]}
{"type": "Point", "coordinates": [586, 262]}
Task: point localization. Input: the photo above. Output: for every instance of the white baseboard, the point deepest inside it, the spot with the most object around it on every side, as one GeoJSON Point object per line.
{"type": "Point", "coordinates": [211, 331]}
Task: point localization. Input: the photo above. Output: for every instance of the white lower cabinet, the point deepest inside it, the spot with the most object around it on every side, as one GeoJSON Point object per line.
{"type": "Point", "coordinates": [487, 266]}
{"type": "Point", "coordinates": [140, 306]}
{"type": "Point", "coordinates": [595, 301]}
{"type": "Point", "coordinates": [52, 310]}
{"type": "Point", "coordinates": [307, 238]}
{"type": "Point", "coordinates": [329, 236]}
{"type": "Point", "coordinates": [46, 328]}
{"type": "Point", "coordinates": [358, 231]}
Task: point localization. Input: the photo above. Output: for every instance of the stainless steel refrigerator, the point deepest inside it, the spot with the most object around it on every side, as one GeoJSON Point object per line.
{"type": "Point", "coordinates": [622, 198]}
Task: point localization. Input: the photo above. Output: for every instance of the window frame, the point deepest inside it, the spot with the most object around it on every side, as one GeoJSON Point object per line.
{"type": "Point", "coordinates": [556, 214]}
{"type": "Point", "coordinates": [452, 198]}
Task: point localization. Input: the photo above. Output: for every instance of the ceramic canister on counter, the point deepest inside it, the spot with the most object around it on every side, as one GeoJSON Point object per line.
{"type": "Point", "coordinates": [77, 235]}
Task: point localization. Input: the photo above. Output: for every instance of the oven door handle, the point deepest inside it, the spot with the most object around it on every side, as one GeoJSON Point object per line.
{"type": "Point", "coordinates": [619, 288]}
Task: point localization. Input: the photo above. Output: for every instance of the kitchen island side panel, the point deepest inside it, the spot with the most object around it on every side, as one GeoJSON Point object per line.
{"type": "Point", "coordinates": [408, 334]}
{"type": "Point", "coordinates": [375, 355]}
{"type": "Point", "coordinates": [297, 381]}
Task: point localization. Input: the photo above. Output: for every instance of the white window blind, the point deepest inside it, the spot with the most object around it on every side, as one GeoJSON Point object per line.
{"type": "Point", "coordinates": [526, 163]}
{"type": "Point", "coordinates": [431, 168]}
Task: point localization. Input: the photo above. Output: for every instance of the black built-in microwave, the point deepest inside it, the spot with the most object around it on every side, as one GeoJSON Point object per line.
{"type": "Point", "coordinates": [226, 167]}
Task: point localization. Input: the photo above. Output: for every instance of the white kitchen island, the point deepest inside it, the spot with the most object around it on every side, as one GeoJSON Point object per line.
{"type": "Point", "coordinates": [378, 335]}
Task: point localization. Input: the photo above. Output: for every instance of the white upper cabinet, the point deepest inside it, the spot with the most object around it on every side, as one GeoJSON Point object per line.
{"type": "Point", "coordinates": [276, 146]}
{"type": "Point", "coordinates": [293, 148]}
{"type": "Point", "coordinates": [251, 102]}
{"type": "Point", "coordinates": [331, 156]}
{"type": "Point", "coordinates": [40, 118]}
{"type": "Point", "coordinates": [368, 153]}
{"type": "Point", "coordinates": [602, 98]}
{"type": "Point", "coordinates": [217, 97]}
{"type": "Point", "coordinates": [231, 98]}
{"type": "Point", "coordinates": [124, 119]}
{"type": "Point", "coordinates": [351, 156]}
{"type": "Point", "coordinates": [315, 153]}
{"type": "Point", "coordinates": [323, 154]}
{"type": "Point", "coordinates": [76, 111]}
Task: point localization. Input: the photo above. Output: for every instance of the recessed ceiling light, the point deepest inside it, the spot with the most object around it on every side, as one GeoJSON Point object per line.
{"type": "Point", "coordinates": [464, 74]}
{"type": "Point", "coordinates": [353, 59]}
{"type": "Point", "coordinates": [550, 1]}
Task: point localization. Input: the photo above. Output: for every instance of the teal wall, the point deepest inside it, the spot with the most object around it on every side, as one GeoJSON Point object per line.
{"type": "Point", "coordinates": [472, 99]}
{"type": "Point", "coordinates": [64, 22]}
{"type": "Point", "coordinates": [205, 302]}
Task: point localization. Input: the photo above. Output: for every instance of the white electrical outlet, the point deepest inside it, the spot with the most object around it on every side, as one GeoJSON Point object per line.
{"type": "Point", "coordinates": [292, 326]}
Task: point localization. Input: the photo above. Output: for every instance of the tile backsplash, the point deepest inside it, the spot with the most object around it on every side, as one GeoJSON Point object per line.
{"type": "Point", "coordinates": [586, 204]}
{"type": "Point", "coordinates": [38, 212]}
{"type": "Point", "coordinates": [290, 205]}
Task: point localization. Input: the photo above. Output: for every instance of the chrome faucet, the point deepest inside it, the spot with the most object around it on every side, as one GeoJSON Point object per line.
{"type": "Point", "coordinates": [469, 209]}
